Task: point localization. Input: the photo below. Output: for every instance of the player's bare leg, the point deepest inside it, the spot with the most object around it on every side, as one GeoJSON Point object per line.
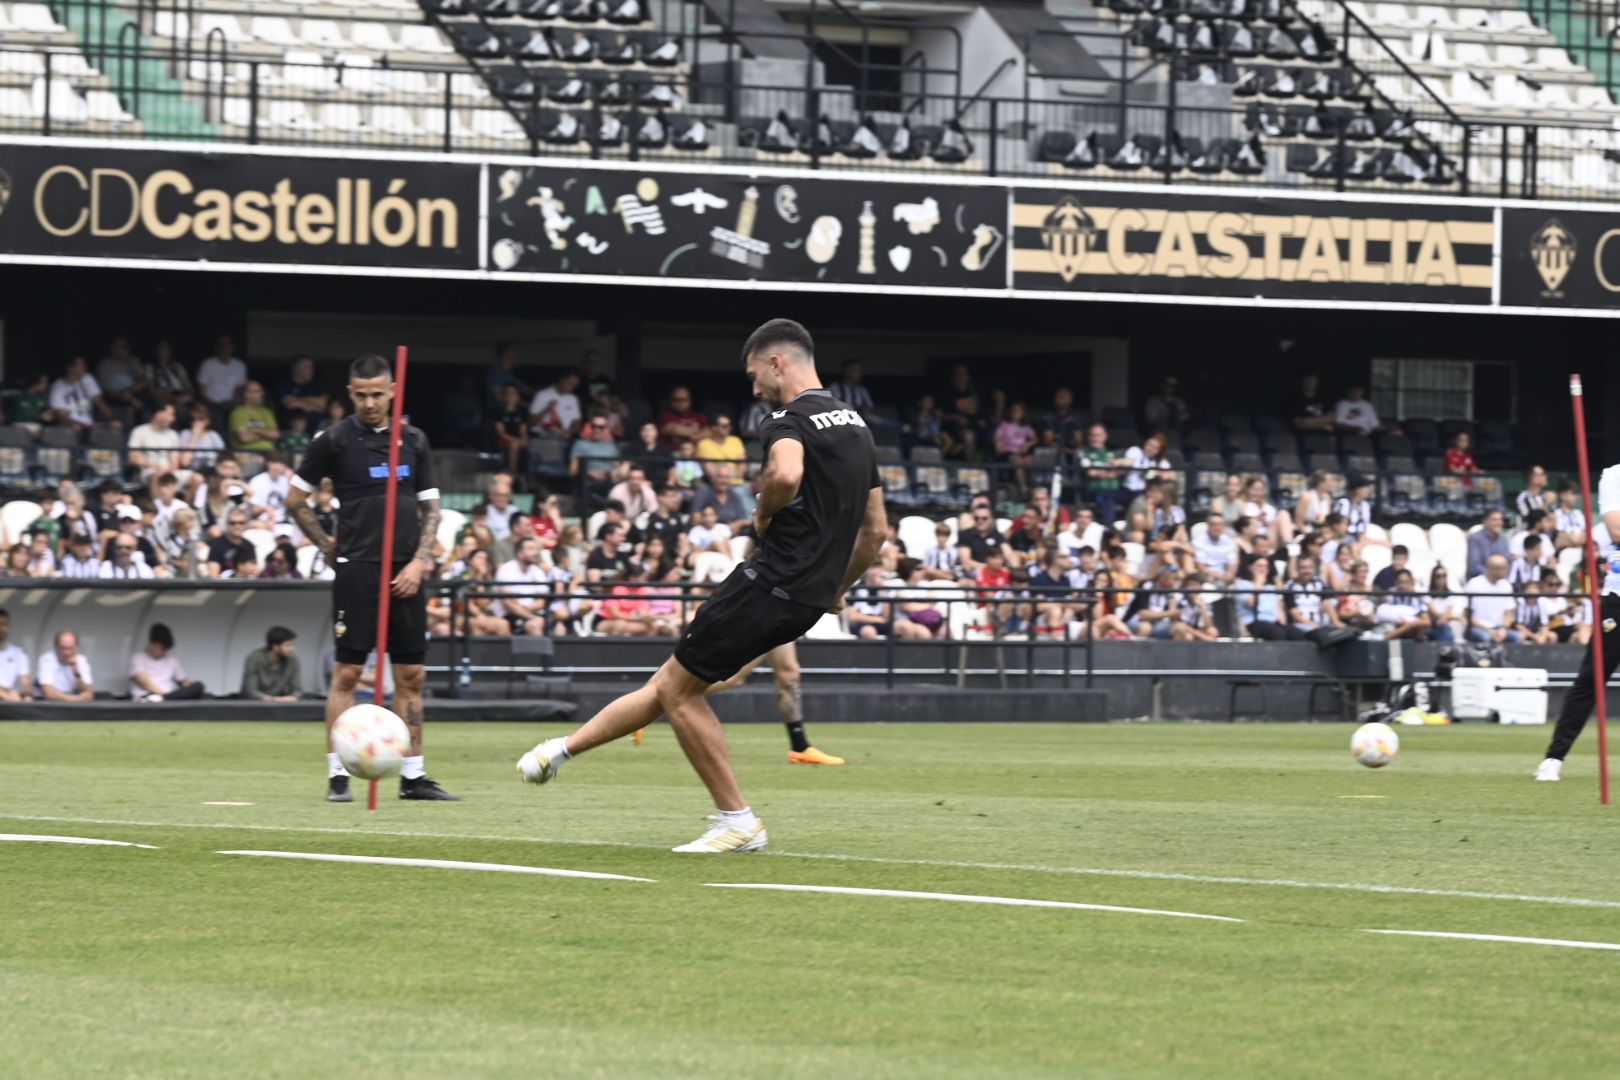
{"type": "Point", "coordinates": [339, 698]}
{"type": "Point", "coordinates": [413, 779]}
{"type": "Point", "coordinates": [784, 661]}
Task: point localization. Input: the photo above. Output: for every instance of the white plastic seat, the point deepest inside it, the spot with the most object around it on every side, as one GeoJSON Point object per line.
{"type": "Point", "coordinates": [290, 114]}
{"type": "Point", "coordinates": [342, 116]}
{"type": "Point", "coordinates": [227, 25]}
{"type": "Point", "coordinates": [465, 85]}
{"type": "Point", "coordinates": [1435, 16]}
{"type": "Point", "coordinates": [237, 112]}
{"type": "Point", "coordinates": [1515, 21]}
{"type": "Point", "coordinates": [35, 18]}
{"type": "Point", "coordinates": [66, 106]}
{"type": "Point", "coordinates": [393, 120]}
{"type": "Point", "coordinates": [1555, 59]}
{"type": "Point", "coordinates": [916, 533]}
{"type": "Point", "coordinates": [71, 64]}
{"type": "Point", "coordinates": [1450, 547]}
{"type": "Point", "coordinates": [371, 36]}
{"type": "Point", "coordinates": [273, 30]}
{"type": "Point", "coordinates": [1592, 97]}
{"type": "Point", "coordinates": [28, 64]}
{"type": "Point", "coordinates": [17, 104]}
{"type": "Point", "coordinates": [422, 39]}
{"type": "Point", "coordinates": [405, 82]}
{"type": "Point", "coordinates": [1465, 91]}
{"type": "Point", "coordinates": [166, 24]}
{"type": "Point", "coordinates": [1510, 92]}
{"type": "Point", "coordinates": [16, 516]}
{"type": "Point", "coordinates": [495, 124]}
{"type": "Point", "coordinates": [1410, 536]}
{"type": "Point", "coordinates": [322, 33]}
{"type": "Point", "coordinates": [1515, 56]}
{"type": "Point", "coordinates": [1472, 54]}
{"type": "Point", "coordinates": [308, 70]}
{"type": "Point", "coordinates": [103, 105]}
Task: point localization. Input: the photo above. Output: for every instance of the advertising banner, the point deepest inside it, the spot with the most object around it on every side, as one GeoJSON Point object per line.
{"type": "Point", "coordinates": [559, 219]}
{"type": "Point", "coordinates": [1198, 244]}
{"type": "Point", "coordinates": [256, 208]}
{"type": "Point", "coordinates": [1560, 258]}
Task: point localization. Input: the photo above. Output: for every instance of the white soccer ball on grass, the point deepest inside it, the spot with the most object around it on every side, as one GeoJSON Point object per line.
{"type": "Point", "coordinates": [1375, 745]}
{"type": "Point", "coordinates": [370, 741]}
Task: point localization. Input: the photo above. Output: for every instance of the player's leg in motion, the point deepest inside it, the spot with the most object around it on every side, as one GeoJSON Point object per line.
{"type": "Point", "coordinates": [677, 693]}
{"type": "Point", "coordinates": [339, 698]}
{"type": "Point", "coordinates": [1583, 693]}
{"type": "Point", "coordinates": [784, 660]}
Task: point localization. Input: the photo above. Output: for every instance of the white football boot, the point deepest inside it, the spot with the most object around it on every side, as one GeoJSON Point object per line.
{"type": "Point", "coordinates": [723, 839]}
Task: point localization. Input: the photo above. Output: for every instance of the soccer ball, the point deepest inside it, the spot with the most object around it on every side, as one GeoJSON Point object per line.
{"type": "Point", "coordinates": [1375, 745]}
{"type": "Point", "coordinates": [370, 741]}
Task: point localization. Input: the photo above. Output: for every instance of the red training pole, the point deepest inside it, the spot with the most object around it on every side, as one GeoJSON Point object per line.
{"type": "Point", "coordinates": [390, 505]}
{"type": "Point", "coordinates": [1600, 680]}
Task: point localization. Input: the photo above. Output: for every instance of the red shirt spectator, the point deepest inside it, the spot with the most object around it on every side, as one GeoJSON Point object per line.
{"type": "Point", "coordinates": [992, 577]}
{"type": "Point", "coordinates": [1460, 458]}
{"type": "Point", "coordinates": [681, 420]}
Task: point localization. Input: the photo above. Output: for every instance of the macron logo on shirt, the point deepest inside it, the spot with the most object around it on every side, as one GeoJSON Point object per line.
{"type": "Point", "coordinates": [836, 418]}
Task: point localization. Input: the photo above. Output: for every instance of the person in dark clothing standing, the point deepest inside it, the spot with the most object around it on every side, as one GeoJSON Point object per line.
{"type": "Point", "coordinates": [353, 453]}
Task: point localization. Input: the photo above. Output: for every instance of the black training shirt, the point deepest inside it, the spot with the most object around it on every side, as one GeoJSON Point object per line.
{"type": "Point", "coordinates": [806, 550]}
{"type": "Point", "coordinates": [356, 458]}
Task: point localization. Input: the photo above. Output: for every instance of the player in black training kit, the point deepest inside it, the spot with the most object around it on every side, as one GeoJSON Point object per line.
{"type": "Point", "coordinates": [354, 453]}
{"type": "Point", "coordinates": [819, 523]}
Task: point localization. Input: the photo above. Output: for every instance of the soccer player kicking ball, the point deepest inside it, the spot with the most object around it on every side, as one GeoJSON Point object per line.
{"type": "Point", "coordinates": [1583, 692]}
{"type": "Point", "coordinates": [819, 521]}
{"type": "Point", "coordinates": [354, 453]}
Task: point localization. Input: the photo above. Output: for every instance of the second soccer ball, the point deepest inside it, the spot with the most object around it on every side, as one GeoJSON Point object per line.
{"type": "Point", "coordinates": [1375, 745]}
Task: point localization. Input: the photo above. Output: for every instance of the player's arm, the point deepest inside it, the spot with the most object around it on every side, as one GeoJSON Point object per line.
{"type": "Point", "coordinates": [779, 481]}
{"type": "Point", "coordinates": [319, 462]}
{"type": "Point", "coordinates": [874, 527]}
{"type": "Point", "coordinates": [409, 579]}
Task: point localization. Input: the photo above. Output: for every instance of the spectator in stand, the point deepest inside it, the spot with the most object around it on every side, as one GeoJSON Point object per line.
{"type": "Point", "coordinates": [1062, 428]}
{"type": "Point", "coordinates": [687, 470]}
{"type": "Point", "coordinates": [1155, 611]}
{"type": "Point", "coordinates": [201, 444]}
{"type": "Point", "coordinates": [1340, 559]}
{"type": "Point", "coordinates": [927, 427]}
{"type": "Point", "coordinates": [1491, 606]}
{"type": "Point", "coordinates": [1308, 615]}
{"type": "Point", "coordinates": [1528, 565]}
{"type": "Point", "coordinates": [1145, 462]}
{"type": "Point", "coordinates": [76, 399]}
{"type": "Point", "coordinates": [1356, 507]}
{"type": "Point", "coordinates": [169, 381]}
{"type": "Point", "coordinates": [668, 524]}
{"type": "Point", "coordinates": [992, 580]}
{"type": "Point", "coordinates": [720, 445]}
{"type": "Point", "coordinates": [1310, 409]}
{"type": "Point", "coordinates": [500, 373]}
{"type": "Point", "coordinates": [31, 408]}
{"type": "Point", "coordinates": [155, 673]}
{"type": "Point", "coordinates": [1014, 440]}
{"type": "Point", "coordinates": [555, 412]}
{"type": "Point", "coordinates": [594, 453]}
{"type": "Point", "coordinates": [1354, 413]}
{"type": "Point", "coordinates": [680, 422]}
{"type": "Point", "coordinates": [64, 672]}
{"type": "Point", "coordinates": [281, 564]}
{"type": "Point", "coordinates": [1316, 502]}
{"type": "Point", "coordinates": [81, 561]}
{"type": "Point", "coordinates": [708, 533]}
{"type": "Point", "coordinates": [1194, 619]}
{"type": "Point", "coordinates": [125, 563]}
{"type": "Point", "coordinates": [1257, 504]}
{"type": "Point", "coordinates": [512, 429]}
{"type": "Point", "coordinates": [504, 549]}
{"type": "Point", "coordinates": [1356, 608]}
{"type": "Point", "coordinates": [1084, 532]}
{"type": "Point", "coordinates": [41, 557]}
{"type": "Point", "coordinates": [976, 546]}
{"type": "Point", "coordinates": [226, 553]}
{"type": "Point", "coordinates": [253, 423]}
{"type": "Point", "coordinates": [268, 490]}
{"type": "Point", "coordinates": [183, 546]}
{"type": "Point", "coordinates": [300, 394]}
{"type": "Point", "coordinates": [1385, 579]}
{"type": "Point", "coordinates": [1229, 503]}
{"type": "Point", "coordinates": [1026, 538]}
{"type": "Point", "coordinates": [1101, 483]}
{"type": "Point", "coordinates": [1460, 455]}
{"type": "Point", "coordinates": [221, 376]}
{"type": "Point", "coordinates": [154, 447]}
{"type": "Point", "coordinates": [1568, 519]}
{"type": "Point", "coordinates": [731, 502]}
{"type": "Point", "coordinates": [335, 414]}
{"type": "Point", "coordinates": [1447, 610]}
{"type": "Point", "coordinates": [15, 683]}
{"type": "Point", "coordinates": [1169, 543]}
{"type": "Point", "coordinates": [70, 513]}
{"type": "Point", "coordinates": [1215, 551]}
{"type": "Point", "coordinates": [17, 561]}
{"type": "Point", "coordinates": [524, 604]}
{"type": "Point", "coordinates": [1535, 495]}
{"type": "Point", "coordinates": [942, 562]}
{"type": "Point", "coordinates": [295, 436]}
{"type": "Point", "coordinates": [870, 612]}
{"type": "Point", "coordinates": [123, 382]}
{"type": "Point", "coordinates": [651, 453]}
{"type": "Point", "coordinates": [962, 413]}
{"type": "Point", "coordinates": [851, 390]}
{"type": "Point", "coordinates": [1166, 411]}
{"type": "Point", "coordinates": [1566, 616]}
{"type": "Point", "coordinates": [1040, 500]}
{"type": "Point", "coordinates": [1402, 614]}
{"type": "Point", "coordinates": [271, 673]}
{"type": "Point", "coordinates": [1155, 508]}
{"type": "Point", "coordinates": [1259, 605]}
{"type": "Point", "coordinates": [479, 615]}
{"type": "Point", "coordinates": [609, 562]}
{"type": "Point", "coordinates": [499, 510]}
{"type": "Point", "coordinates": [636, 493]}
{"type": "Point", "coordinates": [1530, 618]}
{"type": "Point", "coordinates": [1487, 541]}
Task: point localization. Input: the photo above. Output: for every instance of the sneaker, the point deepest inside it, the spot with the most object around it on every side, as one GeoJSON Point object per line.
{"type": "Point", "coordinates": [723, 839]}
{"type": "Point", "coordinates": [337, 789]}
{"type": "Point", "coordinates": [424, 789]}
{"type": "Point", "coordinates": [811, 756]}
{"type": "Point", "coordinates": [640, 736]}
{"type": "Point", "coordinates": [535, 768]}
{"type": "Point", "coordinates": [1550, 769]}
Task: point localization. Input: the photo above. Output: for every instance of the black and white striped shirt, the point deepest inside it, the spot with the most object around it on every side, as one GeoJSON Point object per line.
{"type": "Point", "coordinates": [80, 568]}
{"type": "Point", "coordinates": [1303, 600]}
{"type": "Point", "coordinates": [1358, 514]}
{"type": "Point", "coordinates": [1531, 500]}
{"type": "Point", "coordinates": [135, 570]}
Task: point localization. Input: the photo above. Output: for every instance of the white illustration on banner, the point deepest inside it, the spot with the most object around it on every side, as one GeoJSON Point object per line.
{"type": "Point", "coordinates": [505, 254]}
{"type": "Point", "coordinates": [868, 250]}
{"type": "Point", "coordinates": [553, 218]}
{"type": "Point", "coordinates": [508, 183]}
{"type": "Point", "coordinates": [591, 243]}
{"type": "Point", "coordinates": [900, 258]}
{"type": "Point", "coordinates": [632, 211]}
{"type": "Point", "coordinates": [986, 242]}
{"type": "Point", "coordinates": [920, 218]}
{"type": "Point", "coordinates": [787, 204]}
{"type": "Point", "coordinates": [738, 245]}
{"type": "Point", "coordinates": [822, 243]}
{"type": "Point", "coordinates": [699, 201]}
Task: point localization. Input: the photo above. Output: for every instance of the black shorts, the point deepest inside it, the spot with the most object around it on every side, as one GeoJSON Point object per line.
{"type": "Point", "coordinates": [354, 617]}
{"type": "Point", "coordinates": [740, 622]}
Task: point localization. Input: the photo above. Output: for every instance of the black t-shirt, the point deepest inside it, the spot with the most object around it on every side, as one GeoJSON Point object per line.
{"type": "Point", "coordinates": [356, 458]}
{"type": "Point", "coordinates": [228, 554]}
{"type": "Point", "coordinates": [980, 546]}
{"type": "Point", "coordinates": [655, 461]}
{"type": "Point", "coordinates": [804, 553]}
{"type": "Point", "coordinates": [669, 529]}
{"type": "Point", "coordinates": [513, 423]}
{"type": "Point", "coordinates": [1311, 405]}
{"type": "Point", "coordinates": [1023, 542]}
{"type": "Point", "coordinates": [613, 567]}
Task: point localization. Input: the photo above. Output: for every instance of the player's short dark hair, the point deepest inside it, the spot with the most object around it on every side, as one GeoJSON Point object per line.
{"type": "Point", "coordinates": [160, 635]}
{"type": "Point", "coordinates": [370, 366]}
{"type": "Point", "coordinates": [1398, 549]}
{"type": "Point", "coordinates": [779, 332]}
{"type": "Point", "coordinates": [278, 635]}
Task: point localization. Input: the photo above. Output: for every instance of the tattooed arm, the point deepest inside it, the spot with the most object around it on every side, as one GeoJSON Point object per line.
{"type": "Point", "coordinates": [409, 580]}
{"type": "Point", "coordinates": [303, 515]}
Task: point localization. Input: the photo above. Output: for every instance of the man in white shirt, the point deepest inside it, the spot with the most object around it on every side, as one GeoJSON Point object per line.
{"type": "Point", "coordinates": [76, 396]}
{"type": "Point", "coordinates": [64, 672]}
{"type": "Point", "coordinates": [1491, 605]}
{"type": "Point", "coordinates": [1355, 413]}
{"type": "Point", "coordinates": [525, 607]}
{"type": "Point", "coordinates": [709, 533]}
{"type": "Point", "coordinates": [1086, 532]}
{"type": "Point", "coordinates": [219, 376]}
{"type": "Point", "coordinates": [15, 684]}
{"type": "Point", "coordinates": [154, 447]}
{"type": "Point", "coordinates": [555, 410]}
{"type": "Point", "coordinates": [268, 490]}
{"type": "Point", "coordinates": [499, 511]}
{"type": "Point", "coordinates": [155, 673]}
{"type": "Point", "coordinates": [1216, 552]}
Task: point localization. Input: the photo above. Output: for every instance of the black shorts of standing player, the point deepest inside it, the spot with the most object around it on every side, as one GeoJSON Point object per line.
{"type": "Point", "coordinates": [740, 622]}
{"type": "Point", "coordinates": [354, 617]}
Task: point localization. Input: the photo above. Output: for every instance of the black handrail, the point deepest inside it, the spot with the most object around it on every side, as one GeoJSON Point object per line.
{"type": "Point", "coordinates": [1008, 62]}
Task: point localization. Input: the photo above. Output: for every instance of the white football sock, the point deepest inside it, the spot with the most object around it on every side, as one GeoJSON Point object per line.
{"type": "Point", "coordinates": [334, 766]}
{"type": "Point", "coordinates": [556, 750]}
{"type": "Point", "coordinates": [412, 768]}
{"type": "Point", "coordinates": [739, 819]}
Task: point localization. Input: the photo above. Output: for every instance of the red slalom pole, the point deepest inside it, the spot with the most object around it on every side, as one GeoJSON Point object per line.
{"type": "Point", "coordinates": [390, 506]}
{"type": "Point", "coordinates": [1600, 680]}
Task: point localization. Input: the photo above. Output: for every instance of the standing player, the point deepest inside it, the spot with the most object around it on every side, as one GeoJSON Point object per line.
{"type": "Point", "coordinates": [820, 522]}
{"type": "Point", "coordinates": [784, 661]}
{"type": "Point", "coordinates": [1583, 692]}
{"type": "Point", "coordinates": [354, 455]}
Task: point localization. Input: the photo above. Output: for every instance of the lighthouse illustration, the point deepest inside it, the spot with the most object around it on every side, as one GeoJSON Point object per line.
{"type": "Point", "coordinates": [739, 245]}
{"type": "Point", "coordinates": [868, 223]}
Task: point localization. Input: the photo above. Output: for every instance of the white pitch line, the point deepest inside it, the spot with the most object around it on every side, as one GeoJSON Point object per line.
{"type": "Point", "coordinates": [1559, 942]}
{"type": "Point", "coordinates": [969, 898]}
{"type": "Point", "coordinates": [88, 841]}
{"type": "Point", "coordinates": [953, 864]}
{"type": "Point", "coordinates": [440, 864]}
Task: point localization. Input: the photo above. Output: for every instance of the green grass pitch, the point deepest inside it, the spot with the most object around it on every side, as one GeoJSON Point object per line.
{"type": "Point", "coordinates": [180, 962]}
